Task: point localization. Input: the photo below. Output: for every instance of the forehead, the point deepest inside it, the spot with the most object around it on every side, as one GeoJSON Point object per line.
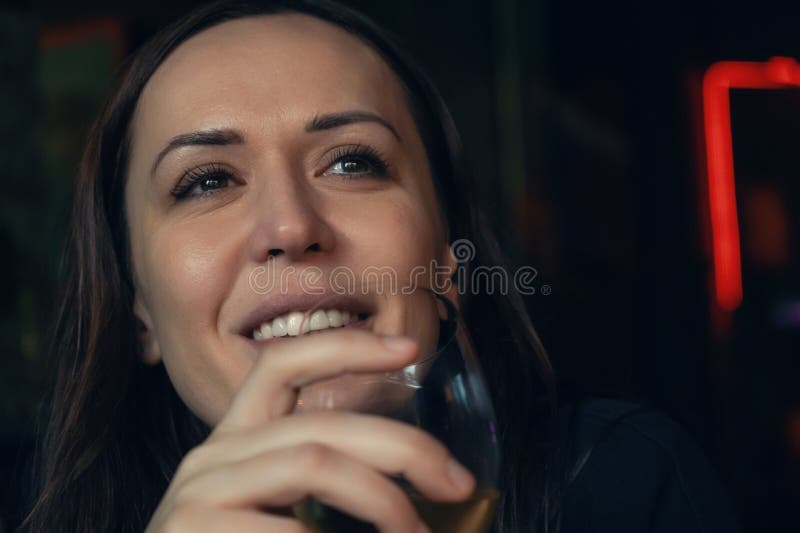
{"type": "Point", "coordinates": [258, 72]}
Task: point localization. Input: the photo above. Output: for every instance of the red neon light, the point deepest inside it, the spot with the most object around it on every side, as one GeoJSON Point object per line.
{"type": "Point", "coordinates": [777, 73]}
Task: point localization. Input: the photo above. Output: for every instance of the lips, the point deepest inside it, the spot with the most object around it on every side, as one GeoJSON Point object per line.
{"type": "Point", "coordinates": [298, 323]}
{"type": "Point", "coordinates": [294, 306]}
{"type": "Point", "coordinates": [258, 344]}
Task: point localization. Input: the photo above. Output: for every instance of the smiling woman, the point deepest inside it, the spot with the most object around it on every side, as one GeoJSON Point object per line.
{"type": "Point", "coordinates": [220, 185]}
{"type": "Point", "coordinates": [293, 134]}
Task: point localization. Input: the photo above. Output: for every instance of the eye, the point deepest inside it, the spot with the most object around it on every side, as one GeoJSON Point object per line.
{"type": "Point", "coordinates": [202, 182]}
{"type": "Point", "coordinates": [357, 161]}
{"type": "Point", "coordinates": [353, 166]}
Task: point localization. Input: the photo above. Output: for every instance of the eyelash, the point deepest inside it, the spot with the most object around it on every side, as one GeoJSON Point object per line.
{"type": "Point", "coordinates": [364, 153]}
{"type": "Point", "coordinates": [198, 175]}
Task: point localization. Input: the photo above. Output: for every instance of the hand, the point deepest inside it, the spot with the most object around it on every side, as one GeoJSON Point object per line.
{"type": "Point", "coordinates": [257, 462]}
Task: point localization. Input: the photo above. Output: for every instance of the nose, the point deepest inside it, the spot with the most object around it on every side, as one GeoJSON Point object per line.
{"type": "Point", "coordinates": [288, 223]}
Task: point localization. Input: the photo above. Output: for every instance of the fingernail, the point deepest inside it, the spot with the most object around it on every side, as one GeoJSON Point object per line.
{"type": "Point", "coordinates": [423, 528]}
{"type": "Point", "coordinates": [459, 475]}
{"type": "Point", "coordinates": [399, 344]}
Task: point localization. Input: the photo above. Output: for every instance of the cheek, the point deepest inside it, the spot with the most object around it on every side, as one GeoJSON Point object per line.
{"type": "Point", "coordinates": [187, 269]}
{"type": "Point", "coordinates": [189, 273]}
{"type": "Point", "coordinates": [400, 236]}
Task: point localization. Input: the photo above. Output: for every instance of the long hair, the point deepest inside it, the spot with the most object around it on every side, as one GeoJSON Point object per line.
{"type": "Point", "coordinates": [116, 430]}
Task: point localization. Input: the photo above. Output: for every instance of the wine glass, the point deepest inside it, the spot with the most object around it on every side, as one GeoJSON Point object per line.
{"type": "Point", "coordinates": [443, 393]}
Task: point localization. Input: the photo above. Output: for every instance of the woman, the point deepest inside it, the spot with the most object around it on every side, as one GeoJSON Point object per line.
{"type": "Point", "coordinates": [285, 134]}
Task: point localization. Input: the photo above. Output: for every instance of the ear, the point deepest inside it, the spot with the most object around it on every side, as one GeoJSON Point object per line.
{"type": "Point", "coordinates": [151, 351]}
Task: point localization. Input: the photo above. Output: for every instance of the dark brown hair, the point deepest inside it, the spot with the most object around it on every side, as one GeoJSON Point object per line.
{"type": "Point", "coordinates": [116, 429]}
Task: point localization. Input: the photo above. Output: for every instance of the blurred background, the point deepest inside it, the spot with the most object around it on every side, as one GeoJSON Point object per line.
{"type": "Point", "coordinates": [584, 123]}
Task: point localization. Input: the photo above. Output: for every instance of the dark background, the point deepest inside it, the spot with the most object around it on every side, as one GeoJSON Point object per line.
{"type": "Point", "coordinates": [583, 120]}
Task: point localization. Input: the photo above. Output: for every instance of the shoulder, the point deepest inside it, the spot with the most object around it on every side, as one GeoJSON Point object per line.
{"type": "Point", "coordinates": [634, 469]}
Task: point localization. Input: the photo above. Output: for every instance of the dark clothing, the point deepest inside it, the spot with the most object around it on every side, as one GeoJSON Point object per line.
{"type": "Point", "coordinates": [644, 474]}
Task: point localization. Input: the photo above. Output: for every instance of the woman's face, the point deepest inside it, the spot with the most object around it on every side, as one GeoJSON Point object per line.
{"type": "Point", "coordinates": [313, 171]}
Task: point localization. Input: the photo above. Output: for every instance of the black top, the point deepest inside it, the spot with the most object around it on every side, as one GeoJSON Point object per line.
{"type": "Point", "coordinates": [644, 474]}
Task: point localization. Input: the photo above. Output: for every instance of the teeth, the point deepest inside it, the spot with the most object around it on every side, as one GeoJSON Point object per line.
{"type": "Point", "coordinates": [295, 323]}
{"type": "Point", "coordinates": [279, 327]}
{"type": "Point", "coordinates": [319, 320]}
{"type": "Point", "coordinates": [334, 318]}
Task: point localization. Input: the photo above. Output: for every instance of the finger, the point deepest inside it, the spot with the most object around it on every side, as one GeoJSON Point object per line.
{"type": "Point", "coordinates": [270, 389]}
{"type": "Point", "coordinates": [203, 519]}
{"type": "Point", "coordinates": [286, 476]}
{"type": "Point", "coordinates": [387, 445]}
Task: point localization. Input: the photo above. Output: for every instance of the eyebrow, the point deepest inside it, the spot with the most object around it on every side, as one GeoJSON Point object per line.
{"type": "Point", "coordinates": [225, 137]}
{"type": "Point", "coordinates": [335, 120]}
{"type": "Point", "coordinates": [213, 137]}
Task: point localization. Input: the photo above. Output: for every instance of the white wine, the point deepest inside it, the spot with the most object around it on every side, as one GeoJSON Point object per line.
{"type": "Point", "coordinates": [473, 515]}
